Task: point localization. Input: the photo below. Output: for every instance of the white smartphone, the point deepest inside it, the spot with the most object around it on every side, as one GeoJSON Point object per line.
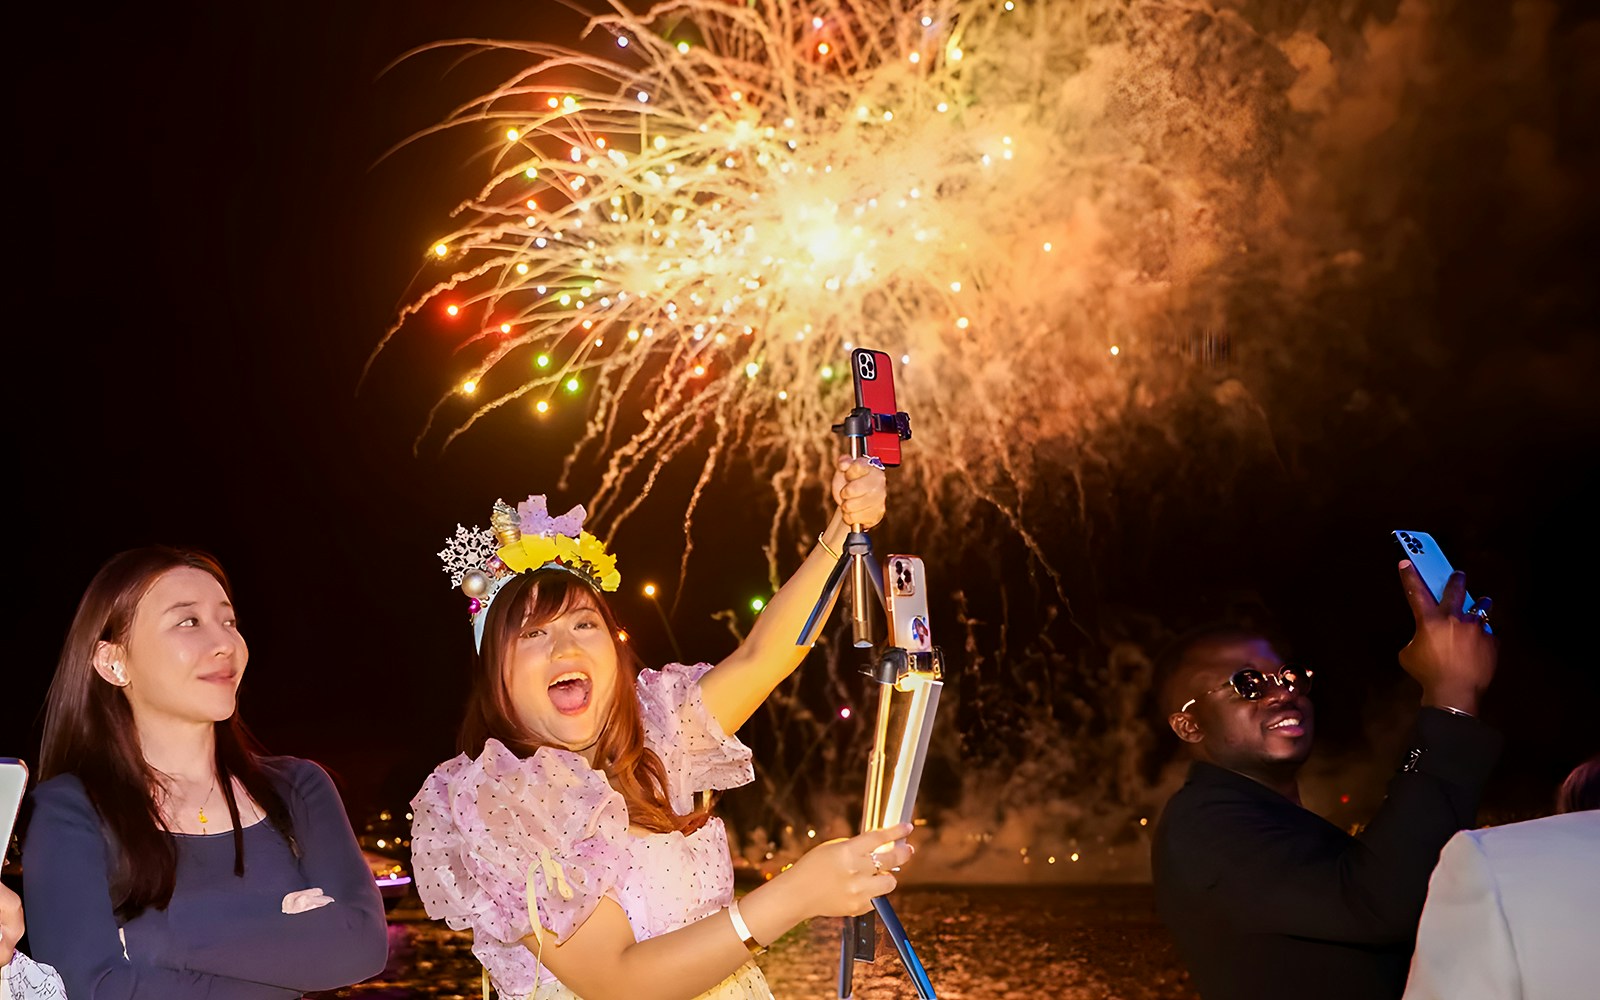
{"type": "Point", "coordinates": [912, 701]}
{"type": "Point", "coordinates": [905, 596]}
{"type": "Point", "coordinates": [1431, 564]}
{"type": "Point", "coordinates": [13, 785]}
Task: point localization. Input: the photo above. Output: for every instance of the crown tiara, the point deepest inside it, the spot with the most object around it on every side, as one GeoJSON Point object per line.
{"type": "Point", "coordinates": [522, 539]}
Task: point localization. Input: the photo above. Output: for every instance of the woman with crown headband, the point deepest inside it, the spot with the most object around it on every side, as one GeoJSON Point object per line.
{"type": "Point", "coordinates": [167, 858]}
{"type": "Point", "coordinates": [566, 835]}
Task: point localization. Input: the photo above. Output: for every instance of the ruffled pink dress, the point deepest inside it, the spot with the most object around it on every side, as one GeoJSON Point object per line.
{"type": "Point", "coordinates": [487, 831]}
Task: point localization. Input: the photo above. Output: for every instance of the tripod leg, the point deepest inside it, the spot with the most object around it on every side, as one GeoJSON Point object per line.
{"type": "Point", "coordinates": [824, 605]}
{"type": "Point", "coordinates": [847, 958]}
{"type": "Point", "coordinates": [902, 944]}
{"type": "Point", "coordinates": [875, 573]}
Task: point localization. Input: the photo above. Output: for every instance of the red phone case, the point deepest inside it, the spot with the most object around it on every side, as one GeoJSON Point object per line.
{"type": "Point", "coordinates": [874, 378]}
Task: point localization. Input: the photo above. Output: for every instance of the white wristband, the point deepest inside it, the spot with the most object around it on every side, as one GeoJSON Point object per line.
{"type": "Point", "coordinates": [743, 930]}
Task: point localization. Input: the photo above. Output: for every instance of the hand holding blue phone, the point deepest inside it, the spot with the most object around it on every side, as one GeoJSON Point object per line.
{"type": "Point", "coordinates": [1424, 553]}
{"type": "Point", "coordinates": [1452, 654]}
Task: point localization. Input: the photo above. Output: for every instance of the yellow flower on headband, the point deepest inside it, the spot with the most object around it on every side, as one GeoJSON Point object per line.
{"type": "Point", "coordinates": [585, 555]}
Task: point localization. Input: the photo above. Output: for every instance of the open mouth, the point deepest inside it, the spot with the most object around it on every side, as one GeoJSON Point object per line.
{"type": "Point", "coordinates": [1289, 725]}
{"type": "Point", "coordinates": [569, 693]}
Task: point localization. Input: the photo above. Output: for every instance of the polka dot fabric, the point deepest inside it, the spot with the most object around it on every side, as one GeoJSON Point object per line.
{"type": "Point", "coordinates": [696, 752]}
{"type": "Point", "coordinates": [483, 827]}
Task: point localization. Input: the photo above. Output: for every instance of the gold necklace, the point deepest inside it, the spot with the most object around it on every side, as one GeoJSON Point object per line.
{"type": "Point", "coordinates": [203, 820]}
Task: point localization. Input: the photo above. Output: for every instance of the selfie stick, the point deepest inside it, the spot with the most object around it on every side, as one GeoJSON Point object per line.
{"type": "Point", "coordinates": [859, 938]}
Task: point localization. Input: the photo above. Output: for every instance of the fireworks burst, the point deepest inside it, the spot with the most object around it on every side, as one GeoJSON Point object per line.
{"type": "Point", "coordinates": [1027, 203]}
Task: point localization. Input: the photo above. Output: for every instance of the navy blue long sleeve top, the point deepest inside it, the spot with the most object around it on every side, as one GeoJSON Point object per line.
{"type": "Point", "coordinates": [222, 936]}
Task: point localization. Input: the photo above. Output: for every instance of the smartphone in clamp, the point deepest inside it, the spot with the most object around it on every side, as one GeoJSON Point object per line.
{"type": "Point", "coordinates": [907, 671]}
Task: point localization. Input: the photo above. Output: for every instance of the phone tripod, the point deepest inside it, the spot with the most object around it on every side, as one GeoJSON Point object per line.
{"type": "Point", "coordinates": [856, 555]}
{"type": "Point", "coordinates": [901, 716]}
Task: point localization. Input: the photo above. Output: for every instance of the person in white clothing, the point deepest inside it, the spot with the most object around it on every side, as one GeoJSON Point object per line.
{"type": "Point", "coordinates": [1512, 911]}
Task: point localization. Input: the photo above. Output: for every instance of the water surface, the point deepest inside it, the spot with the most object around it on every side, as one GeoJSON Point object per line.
{"type": "Point", "coordinates": [1073, 943]}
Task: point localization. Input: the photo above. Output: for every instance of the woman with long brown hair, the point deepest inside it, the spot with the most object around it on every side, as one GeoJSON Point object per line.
{"type": "Point", "coordinates": [167, 857]}
{"type": "Point", "coordinates": [566, 835]}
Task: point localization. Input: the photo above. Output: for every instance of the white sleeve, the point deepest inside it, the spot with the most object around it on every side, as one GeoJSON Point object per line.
{"type": "Point", "coordinates": [1464, 949]}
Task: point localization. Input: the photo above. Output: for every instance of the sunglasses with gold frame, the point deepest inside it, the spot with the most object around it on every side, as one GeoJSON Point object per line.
{"type": "Point", "coordinates": [1251, 684]}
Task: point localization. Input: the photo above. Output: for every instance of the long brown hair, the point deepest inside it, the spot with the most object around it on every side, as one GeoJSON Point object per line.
{"type": "Point", "coordinates": [89, 733]}
{"type": "Point", "coordinates": [620, 753]}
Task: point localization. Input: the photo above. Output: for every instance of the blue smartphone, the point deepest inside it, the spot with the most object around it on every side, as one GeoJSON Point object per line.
{"type": "Point", "coordinates": [1431, 564]}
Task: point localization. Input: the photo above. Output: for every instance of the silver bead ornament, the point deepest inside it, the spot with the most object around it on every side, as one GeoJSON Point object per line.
{"type": "Point", "coordinates": [475, 583]}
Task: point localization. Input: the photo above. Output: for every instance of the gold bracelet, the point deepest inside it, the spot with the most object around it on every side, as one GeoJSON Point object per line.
{"type": "Point", "coordinates": [825, 546]}
{"type": "Point", "coordinates": [742, 929]}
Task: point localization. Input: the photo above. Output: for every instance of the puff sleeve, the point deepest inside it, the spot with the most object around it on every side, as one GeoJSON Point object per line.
{"type": "Point", "coordinates": [696, 752]}
{"type": "Point", "coordinates": [490, 833]}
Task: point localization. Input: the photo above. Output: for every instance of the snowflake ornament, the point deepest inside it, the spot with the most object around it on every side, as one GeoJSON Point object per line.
{"type": "Point", "coordinates": [469, 548]}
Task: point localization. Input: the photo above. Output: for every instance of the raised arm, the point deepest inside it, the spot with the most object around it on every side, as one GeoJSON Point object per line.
{"type": "Point", "coordinates": [737, 686]}
{"type": "Point", "coordinates": [1371, 892]}
{"type": "Point", "coordinates": [1374, 890]}
{"type": "Point", "coordinates": [71, 922]}
{"type": "Point", "coordinates": [600, 960]}
{"type": "Point", "coordinates": [335, 945]}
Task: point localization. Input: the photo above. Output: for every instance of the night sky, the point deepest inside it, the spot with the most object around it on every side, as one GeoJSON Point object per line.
{"type": "Point", "coordinates": [206, 247]}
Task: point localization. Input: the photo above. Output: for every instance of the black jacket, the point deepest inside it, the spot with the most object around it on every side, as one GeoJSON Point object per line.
{"type": "Point", "coordinates": [1267, 899]}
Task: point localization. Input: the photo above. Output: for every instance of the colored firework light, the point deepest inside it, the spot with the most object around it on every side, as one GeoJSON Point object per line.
{"type": "Point", "coordinates": [1008, 197]}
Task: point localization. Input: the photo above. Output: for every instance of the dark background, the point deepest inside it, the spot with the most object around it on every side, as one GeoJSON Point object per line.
{"type": "Point", "coordinates": [205, 249]}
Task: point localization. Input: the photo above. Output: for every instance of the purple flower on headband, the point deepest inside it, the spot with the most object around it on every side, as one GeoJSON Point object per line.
{"type": "Point", "coordinates": [533, 516]}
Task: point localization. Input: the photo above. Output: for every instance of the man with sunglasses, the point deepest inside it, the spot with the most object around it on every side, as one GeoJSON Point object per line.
{"type": "Point", "coordinates": [1264, 897]}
